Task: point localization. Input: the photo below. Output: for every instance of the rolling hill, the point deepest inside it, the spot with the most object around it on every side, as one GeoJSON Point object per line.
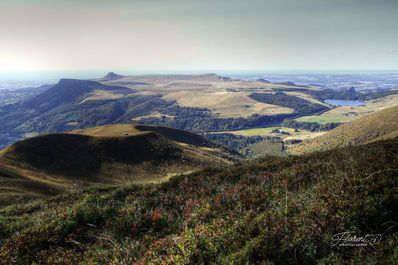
{"type": "Point", "coordinates": [334, 207]}
{"type": "Point", "coordinates": [195, 103]}
{"type": "Point", "coordinates": [111, 154]}
{"type": "Point", "coordinates": [59, 107]}
{"type": "Point", "coordinates": [377, 126]}
{"type": "Point", "coordinates": [66, 92]}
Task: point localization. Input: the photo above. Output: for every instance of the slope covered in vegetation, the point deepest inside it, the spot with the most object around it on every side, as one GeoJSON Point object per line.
{"type": "Point", "coordinates": [111, 154]}
{"type": "Point", "coordinates": [377, 126]}
{"type": "Point", "coordinates": [270, 211]}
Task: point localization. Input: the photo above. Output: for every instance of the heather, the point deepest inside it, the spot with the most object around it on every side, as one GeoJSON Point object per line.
{"type": "Point", "coordinates": [267, 211]}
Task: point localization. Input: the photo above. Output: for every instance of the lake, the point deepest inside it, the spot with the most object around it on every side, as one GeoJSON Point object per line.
{"type": "Point", "coordinates": [340, 102]}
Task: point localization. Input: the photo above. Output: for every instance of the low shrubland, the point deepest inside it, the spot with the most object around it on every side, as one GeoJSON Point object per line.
{"type": "Point", "coordinates": [268, 211]}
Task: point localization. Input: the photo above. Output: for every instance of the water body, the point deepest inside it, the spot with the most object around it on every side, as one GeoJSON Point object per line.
{"type": "Point", "coordinates": [341, 102]}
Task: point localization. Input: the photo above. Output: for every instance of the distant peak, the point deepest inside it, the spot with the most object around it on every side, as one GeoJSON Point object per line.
{"type": "Point", "coordinates": [263, 80]}
{"type": "Point", "coordinates": [112, 76]}
{"type": "Point", "coordinates": [288, 83]}
{"type": "Point", "coordinates": [218, 77]}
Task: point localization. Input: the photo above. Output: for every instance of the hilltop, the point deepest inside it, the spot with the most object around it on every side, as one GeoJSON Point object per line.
{"type": "Point", "coordinates": [68, 91]}
{"type": "Point", "coordinates": [377, 126]}
{"type": "Point", "coordinates": [268, 211]}
{"type": "Point", "coordinates": [112, 76]}
{"type": "Point", "coordinates": [111, 154]}
{"type": "Point", "coordinates": [58, 107]}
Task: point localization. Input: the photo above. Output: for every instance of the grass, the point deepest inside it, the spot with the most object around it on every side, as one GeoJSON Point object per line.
{"type": "Point", "coordinates": [268, 131]}
{"type": "Point", "coordinates": [112, 130]}
{"type": "Point", "coordinates": [327, 118]}
{"type": "Point", "coordinates": [379, 125]}
{"type": "Point", "coordinates": [101, 94]}
{"type": "Point", "coordinates": [226, 104]}
{"type": "Point", "coordinates": [269, 211]}
{"type": "Point", "coordinates": [111, 154]}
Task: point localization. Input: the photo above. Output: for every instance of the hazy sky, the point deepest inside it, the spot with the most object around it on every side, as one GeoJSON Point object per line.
{"type": "Point", "coordinates": [199, 34]}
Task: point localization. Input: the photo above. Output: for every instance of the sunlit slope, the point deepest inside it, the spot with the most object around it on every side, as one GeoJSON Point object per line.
{"type": "Point", "coordinates": [224, 97]}
{"type": "Point", "coordinates": [378, 126]}
{"type": "Point", "coordinates": [111, 154]}
{"type": "Point", "coordinates": [123, 130]}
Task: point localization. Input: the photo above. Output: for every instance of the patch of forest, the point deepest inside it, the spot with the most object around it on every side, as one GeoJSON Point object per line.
{"type": "Point", "coordinates": [310, 126]}
{"type": "Point", "coordinates": [301, 106]}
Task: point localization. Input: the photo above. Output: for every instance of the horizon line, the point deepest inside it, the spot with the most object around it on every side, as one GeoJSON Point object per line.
{"type": "Point", "coordinates": [204, 70]}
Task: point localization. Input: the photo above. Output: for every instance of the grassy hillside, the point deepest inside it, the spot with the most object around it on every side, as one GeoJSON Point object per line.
{"type": "Point", "coordinates": [68, 102]}
{"type": "Point", "coordinates": [377, 126]}
{"type": "Point", "coordinates": [195, 103]}
{"type": "Point", "coordinates": [16, 188]}
{"type": "Point", "coordinates": [118, 130]}
{"type": "Point", "coordinates": [111, 154]}
{"type": "Point", "coordinates": [271, 211]}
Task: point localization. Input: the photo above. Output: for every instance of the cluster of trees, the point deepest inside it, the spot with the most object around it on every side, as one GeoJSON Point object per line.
{"type": "Point", "coordinates": [333, 94]}
{"type": "Point", "coordinates": [377, 94]}
{"type": "Point", "coordinates": [251, 146]}
{"type": "Point", "coordinates": [301, 106]}
{"type": "Point", "coordinates": [196, 120]}
{"type": "Point", "coordinates": [310, 126]}
{"type": "Point", "coordinates": [280, 131]}
{"type": "Point", "coordinates": [349, 94]}
{"type": "Point", "coordinates": [237, 142]}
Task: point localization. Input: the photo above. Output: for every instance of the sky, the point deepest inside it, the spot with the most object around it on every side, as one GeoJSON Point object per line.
{"type": "Point", "coordinates": [53, 35]}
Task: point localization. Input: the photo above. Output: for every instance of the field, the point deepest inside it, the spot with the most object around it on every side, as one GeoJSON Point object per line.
{"type": "Point", "coordinates": [102, 95]}
{"type": "Point", "coordinates": [268, 131]}
{"type": "Point", "coordinates": [327, 118]}
{"type": "Point", "coordinates": [226, 104]}
{"type": "Point", "coordinates": [114, 130]}
{"type": "Point", "coordinates": [293, 134]}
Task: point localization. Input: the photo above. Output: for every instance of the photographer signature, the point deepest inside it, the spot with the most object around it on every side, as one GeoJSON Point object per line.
{"type": "Point", "coordinates": [352, 240]}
